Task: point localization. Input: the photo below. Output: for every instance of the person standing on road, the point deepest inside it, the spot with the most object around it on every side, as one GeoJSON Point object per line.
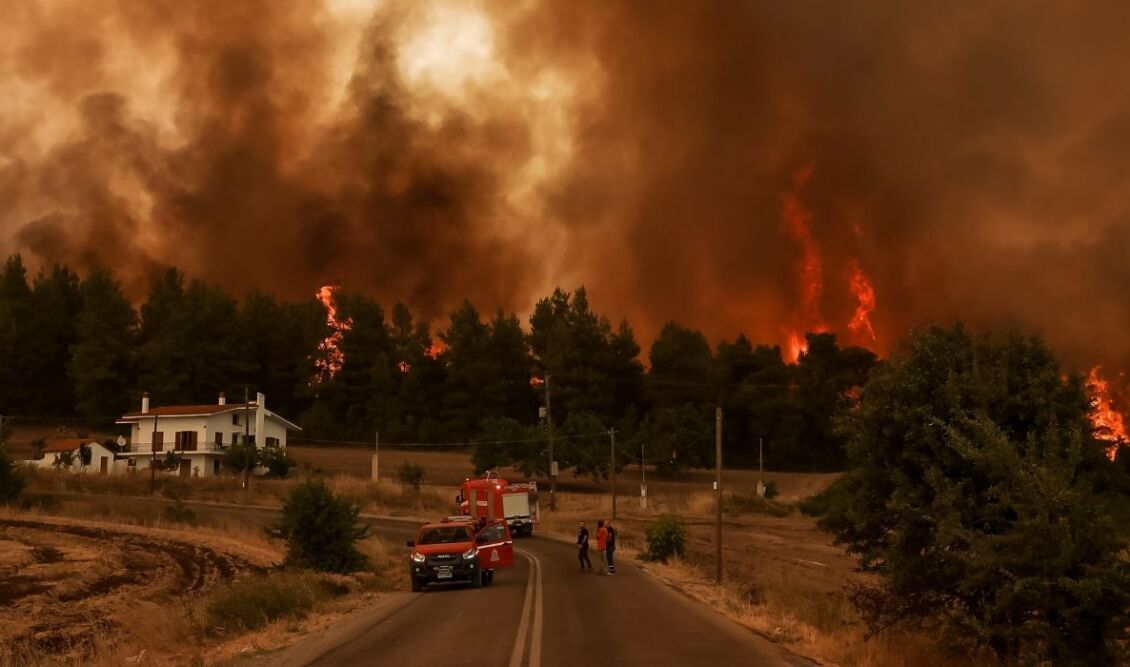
{"type": "Point", "coordinates": [583, 547]}
{"type": "Point", "coordinates": [610, 546]}
{"type": "Point", "coordinates": [601, 543]}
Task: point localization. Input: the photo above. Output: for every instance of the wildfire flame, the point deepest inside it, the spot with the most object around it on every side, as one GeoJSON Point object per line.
{"type": "Point", "coordinates": [1110, 424]}
{"type": "Point", "coordinates": [434, 350]}
{"type": "Point", "coordinates": [330, 357]}
{"type": "Point", "coordinates": [810, 269]}
{"type": "Point", "coordinates": [810, 276]}
{"type": "Point", "coordinates": [860, 323]}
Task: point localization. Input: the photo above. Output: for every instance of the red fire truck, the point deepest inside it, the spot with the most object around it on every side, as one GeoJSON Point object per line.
{"type": "Point", "coordinates": [498, 500]}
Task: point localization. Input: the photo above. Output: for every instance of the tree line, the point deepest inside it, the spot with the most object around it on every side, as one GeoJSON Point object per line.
{"type": "Point", "coordinates": [75, 347]}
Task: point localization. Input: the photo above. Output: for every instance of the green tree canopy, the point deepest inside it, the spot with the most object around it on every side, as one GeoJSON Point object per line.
{"type": "Point", "coordinates": [967, 492]}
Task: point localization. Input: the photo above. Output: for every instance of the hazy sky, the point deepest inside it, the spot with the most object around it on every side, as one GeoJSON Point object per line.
{"type": "Point", "coordinates": [971, 159]}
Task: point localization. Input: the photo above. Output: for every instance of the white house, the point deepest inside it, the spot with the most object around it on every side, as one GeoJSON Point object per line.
{"type": "Point", "coordinates": [199, 434]}
{"type": "Point", "coordinates": [103, 460]}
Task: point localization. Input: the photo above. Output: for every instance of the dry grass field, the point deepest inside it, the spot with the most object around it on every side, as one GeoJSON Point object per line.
{"type": "Point", "coordinates": [783, 577]}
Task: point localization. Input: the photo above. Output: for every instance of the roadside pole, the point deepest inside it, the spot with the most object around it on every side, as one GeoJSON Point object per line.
{"type": "Point", "coordinates": [612, 470]}
{"type": "Point", "coordinates": [718, 495]}
{"type": "Point", "coordinates": [153, 458]}
{"type": "Point", "coordinates": [643, 474]}
{"type": "Point", "coordinates": [549, 434]}
{"type": "Point", "coordinates": [377, 459]}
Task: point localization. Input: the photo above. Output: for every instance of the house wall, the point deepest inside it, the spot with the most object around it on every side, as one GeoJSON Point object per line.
{"type": "Point", "coordinates": [97, 453]}
{"type": "Point", "coordinates": [206, 428]}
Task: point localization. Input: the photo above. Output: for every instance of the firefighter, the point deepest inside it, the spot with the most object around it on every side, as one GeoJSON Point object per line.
{"type": "Point", "coordinates": [610, 545]}
{"type": "Point", "coordinates": [601, 545]}
{"type": "Point", "coordinates": [583, 547]}
{"type": "Point", "coordinates": [481, 524]}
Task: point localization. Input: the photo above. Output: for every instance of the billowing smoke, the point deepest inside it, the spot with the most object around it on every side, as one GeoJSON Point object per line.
{"type": "Point", "coordinates": [967, 161]}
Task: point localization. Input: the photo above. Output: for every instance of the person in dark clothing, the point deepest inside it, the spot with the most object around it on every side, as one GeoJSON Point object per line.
{"type": "Point", "coordinates": [610, 548]}
{"type": "Point", "coordinates": [583, 548]}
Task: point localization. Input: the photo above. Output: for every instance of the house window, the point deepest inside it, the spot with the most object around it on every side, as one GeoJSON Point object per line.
{"type": "Point", "coordinates": [186, 440]}
{"type": "Point", "coordinates": [272, 442]}
{"type": "Point", "coordinates": [219, 439]}
{"type": "Point", "coordinates": [235, 419]}
{"type": "Point", "coordinates": [158, 441]}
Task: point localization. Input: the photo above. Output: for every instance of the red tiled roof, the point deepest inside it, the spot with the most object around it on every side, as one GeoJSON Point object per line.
{"type": "Point", "coordinates": [67, 444]}
{"type": "Point", "coordinates": [183, 410]}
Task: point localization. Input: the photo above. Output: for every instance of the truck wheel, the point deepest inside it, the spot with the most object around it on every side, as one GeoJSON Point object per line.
{"type": "Point", "coordinates": [417, 585]}
{"type": "Point", "coordinates": [477, 579]}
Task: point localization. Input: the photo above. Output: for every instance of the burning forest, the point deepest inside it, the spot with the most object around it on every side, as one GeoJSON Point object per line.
{"type": "Point", "coordinates": [743, 176]}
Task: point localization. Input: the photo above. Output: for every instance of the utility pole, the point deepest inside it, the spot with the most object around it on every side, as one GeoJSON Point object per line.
{"type": "Point", "coordinates": [643, 474]}
{"type": "Point", "coordinates": [718, 495]}
{"type": "Point", "coordinates": [612, 470]}
{"type": "Point", "coordinates": [247, 436]}
{"type": "Point", "coordinates": [760, 467]}
{"type": "Point", "coordinates": [377, 459]}
{"type": "Point", "coordinates": [549, 433]}
{"type": "Point", "coordinates": [153, 458]}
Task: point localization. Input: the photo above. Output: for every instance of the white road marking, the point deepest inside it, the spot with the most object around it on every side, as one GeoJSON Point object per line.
{"type": "Point", "coordinates": [535, 639]}
{"type": "Point", "coordinates": [533, 604]}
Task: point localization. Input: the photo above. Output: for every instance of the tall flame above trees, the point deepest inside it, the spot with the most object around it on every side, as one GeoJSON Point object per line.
{"type": "Point", "coordinates": [810, 268]}
{"type": "Point", "coordinates": [1110, 424]}
{"type": "Point", "coordinates": [860, 323]}
{"type": "Point", "coordinates": [330, 357]}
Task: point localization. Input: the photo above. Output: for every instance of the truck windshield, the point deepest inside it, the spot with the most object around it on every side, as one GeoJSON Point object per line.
{"type": "Point", "coordinates": [445, 535]}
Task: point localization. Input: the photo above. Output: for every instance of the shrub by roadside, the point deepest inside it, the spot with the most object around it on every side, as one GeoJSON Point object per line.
{"type": "Point", "coordinates": [257, 601]}
{"type": "Point", "coordinates": [666, 538]}
{"type": "Point", "coordinates": [320, 529]}
{"type": "Point", "coordinates": [11, 480]}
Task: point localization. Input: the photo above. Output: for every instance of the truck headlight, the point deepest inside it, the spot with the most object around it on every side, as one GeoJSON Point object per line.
{"type": "Point", "coordinates": [418, 557]}
{"type": "Point", "coordinates": [469, 554]}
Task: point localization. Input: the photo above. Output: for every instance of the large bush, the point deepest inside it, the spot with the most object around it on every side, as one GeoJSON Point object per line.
{"type": "Point", "coordinates": [411, 474]}
{"type": "Point", "coordinates": [276, 461]}
{"type": "Point", "coordinates": [321, 530]}
{"type": "Point", "coordinates": [666, 538]}
{"type": "Point", "coordinates": [969, 494]}
{"type": "Point", "coordinates": [11, 480]}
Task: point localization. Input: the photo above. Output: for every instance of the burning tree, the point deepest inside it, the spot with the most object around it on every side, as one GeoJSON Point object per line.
{"type": "Point", "coordinates": [969, 493]}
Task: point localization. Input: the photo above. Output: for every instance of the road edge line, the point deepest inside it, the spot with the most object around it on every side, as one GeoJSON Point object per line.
{"type": "Point", "coordinates": [535, 638]}
{"type": "Point", "coordinates": [518, 652]}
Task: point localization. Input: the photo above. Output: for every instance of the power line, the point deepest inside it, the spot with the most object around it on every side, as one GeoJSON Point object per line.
{"type": "Point", "coordinates": [451, 444]}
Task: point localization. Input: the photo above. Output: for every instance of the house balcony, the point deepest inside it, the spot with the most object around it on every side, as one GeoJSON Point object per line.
{"type": "Point", "coordinates": [200, 447]}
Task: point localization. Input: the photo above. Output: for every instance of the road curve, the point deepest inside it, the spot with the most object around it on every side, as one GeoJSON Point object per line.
{"type": "Point", "coordinates": [543, 613]}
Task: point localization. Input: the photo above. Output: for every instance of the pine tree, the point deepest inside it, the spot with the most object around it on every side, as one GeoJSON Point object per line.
{"type": "Point", "coordinates": [101, 365]}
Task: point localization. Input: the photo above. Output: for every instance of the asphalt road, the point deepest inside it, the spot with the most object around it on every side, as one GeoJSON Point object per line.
{"type": "Point", "coordinates": [542, 611]}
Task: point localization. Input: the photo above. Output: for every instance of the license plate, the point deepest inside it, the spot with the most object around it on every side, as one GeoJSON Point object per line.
{"type": "Point", "coordinates": [444, 572]}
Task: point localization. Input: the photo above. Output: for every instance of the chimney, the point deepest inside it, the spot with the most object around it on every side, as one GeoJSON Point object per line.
{"type": "Point", "coordinates": [145, 403]}
{"type": "Point", "coordinates": [223, 399]}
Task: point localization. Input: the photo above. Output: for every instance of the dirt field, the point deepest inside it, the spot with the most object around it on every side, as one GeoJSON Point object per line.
{"type": "Point", "coordinates": [67, 586]}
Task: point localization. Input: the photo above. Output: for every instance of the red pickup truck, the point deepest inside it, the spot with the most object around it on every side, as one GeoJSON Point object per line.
{"type": "Point", "coordinates": [454, 551]}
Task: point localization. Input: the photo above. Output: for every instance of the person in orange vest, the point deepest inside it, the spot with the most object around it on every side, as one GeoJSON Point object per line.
{"type": "Point", "coordinates": [602, 545]}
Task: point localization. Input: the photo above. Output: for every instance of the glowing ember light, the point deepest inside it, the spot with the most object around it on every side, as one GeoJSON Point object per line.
{"type": "Point", "coordinates": [404, 367]}
{"type": "Point", "coordinates": [860, 323]}
{"type": "Point", "coordinates": [810, 269]}
{"type": "Point", "coordinates": [434, 350]}
{"type": "Point", "coordinates": [535, 381]}
{"type": "Point", "coordinates": [330, 357]}
{"type": "Point", "coordinates": [1110, 424]}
